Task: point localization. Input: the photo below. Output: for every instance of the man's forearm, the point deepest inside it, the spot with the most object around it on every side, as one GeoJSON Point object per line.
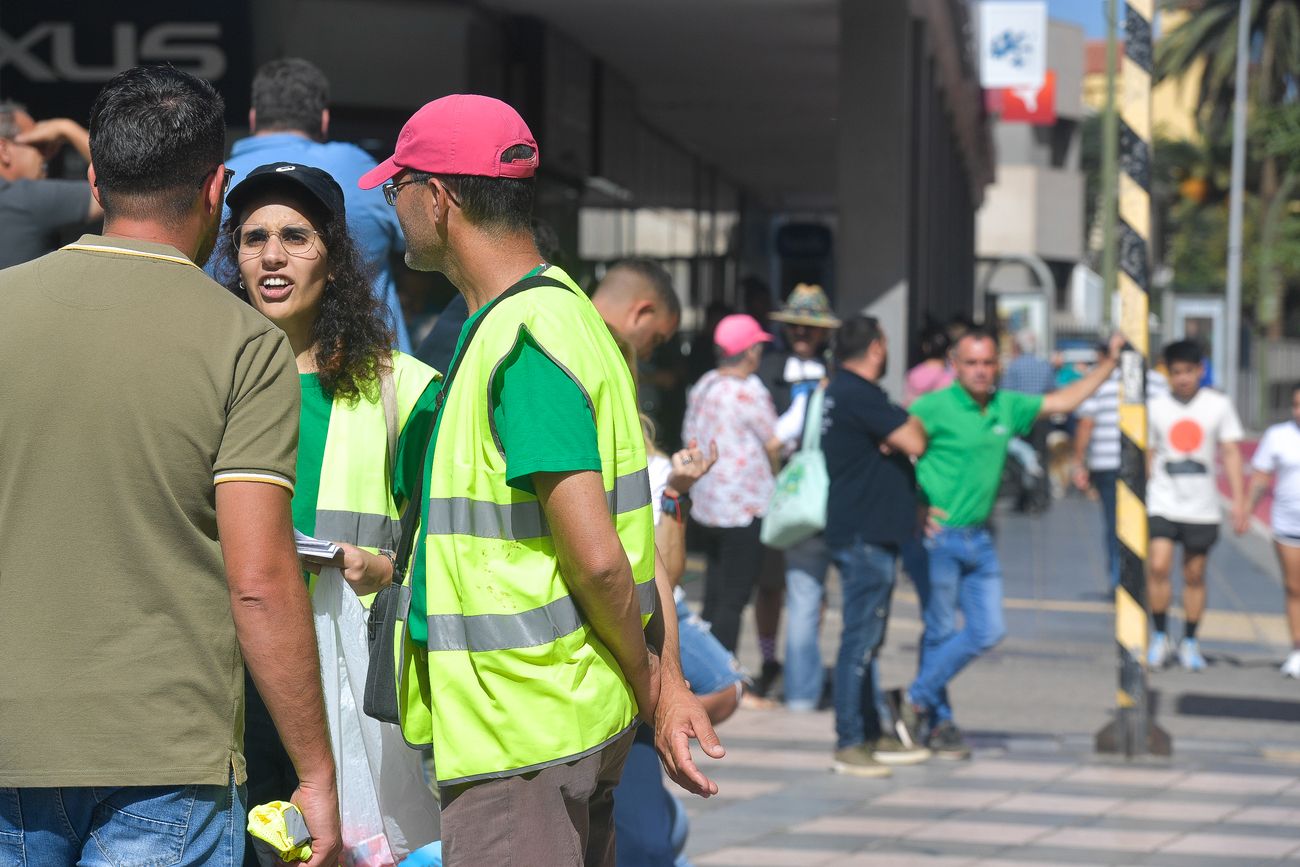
{"type": "Point", "coordinates": [1082, 437]}
{"type": "Point", "coordinates": [610, 605]}
{"type": "Point", "coordinates": [670, 656]}
{"type": "Point", "coordinates": [1258, 485]}
{"type": "Point", "coordinates": [1232, 465]}
{"type": "Point", "coordinates": [670, 542]}
{"type": "Point", "coordinates": [278, 641]}
{"type": "Point", "coordinates": [1067, 399]}
{"type": "Point", "coordinates": [78, 137]}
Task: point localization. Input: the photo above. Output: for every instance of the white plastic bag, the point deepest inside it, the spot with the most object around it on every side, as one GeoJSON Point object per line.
{"type": "Point", "coordinates": [387, 808]}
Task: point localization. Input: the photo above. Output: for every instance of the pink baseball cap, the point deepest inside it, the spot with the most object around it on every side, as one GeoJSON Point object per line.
{"type": "Point", "coordinates": [738, 332]}
{"type": "Point", "coordinates": [460, 134]}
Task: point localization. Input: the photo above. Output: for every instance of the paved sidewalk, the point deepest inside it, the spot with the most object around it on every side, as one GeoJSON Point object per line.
{"type": "Point", "coordinates": [1035, 792]}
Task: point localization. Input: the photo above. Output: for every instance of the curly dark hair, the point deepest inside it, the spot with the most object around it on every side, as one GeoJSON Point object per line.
{"type": "Point", "coordinates": [352, 334]}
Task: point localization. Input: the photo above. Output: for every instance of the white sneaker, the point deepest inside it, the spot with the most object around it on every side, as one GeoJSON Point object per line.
{"type": "Point", "coordinates": [1291, 668]}
{"type": "Point", "coordinates": [1159, 652]}
{"type": "Point", "coordinates": [1189, 654]}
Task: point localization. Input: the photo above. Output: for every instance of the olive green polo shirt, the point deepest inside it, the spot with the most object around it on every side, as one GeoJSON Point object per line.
{"type": "Point", "coordinates": [135, 386]}
{"type": "Point", "coordinates": [962, 466]}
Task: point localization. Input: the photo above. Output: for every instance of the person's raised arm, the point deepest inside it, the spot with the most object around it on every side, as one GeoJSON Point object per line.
{"type": "Point", "coordinates": [598, 574]}
{"type": "Point", "coordinates": [273, 620]}
{"type": "Point", "coordinates": [689, 466]}
{"type": "Point", "coordinates": [1067, 400]}
{"type": "Point", "coordinates": [49, 136]}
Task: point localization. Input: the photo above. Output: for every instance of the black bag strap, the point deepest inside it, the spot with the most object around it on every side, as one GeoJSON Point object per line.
{"type": "Point", "coordinates": [415, 504]}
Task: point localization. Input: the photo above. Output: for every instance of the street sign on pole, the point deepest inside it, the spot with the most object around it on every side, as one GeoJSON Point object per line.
{"type": "Point", "coordinates": [1133, 731]}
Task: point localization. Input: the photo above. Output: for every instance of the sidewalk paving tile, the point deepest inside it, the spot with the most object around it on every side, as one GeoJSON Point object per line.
{"type": "Point", "coordinates": [1233, 784]}
{"type": "Point", "coordinates": [765, 856]}
{"type": "Point", "coordinates": [953, 799]}
{"type": "Point", "coordinates": [904, 859]}
{"type": "Point", "coordinates": [804, 760]}
{"type": "Point", "coordinates": [988, 833]}
{"type": "Point", "coordinates": [864, 826]}
{"type": "Point", "coordinates": [1172, 811]}
{"type": "Point", "coordinates": [1108, 839]}
{"type": "Point", "coordinates": [743, 790]}
{"type": "Point", "coordinates": [1139, 778]}
{"type": "Point", "coordinates": [1005, 769]}
{"type": "Point", "coordinates": [1272, 816]}
{"type": "Point", "coordinates": [1065, 805]}
{"type": "Point", "coordinates": [1232, 845]}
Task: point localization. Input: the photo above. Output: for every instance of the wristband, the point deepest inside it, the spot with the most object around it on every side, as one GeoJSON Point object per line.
{"type": "Point", "coordinates": [675, 505]}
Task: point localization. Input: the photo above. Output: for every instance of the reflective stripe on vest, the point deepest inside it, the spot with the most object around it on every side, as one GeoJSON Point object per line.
{"type": "Point", "coordinates": [354, 501]}
{"type": "Point", "coordinates": [461, 516]}
{"type": "Point", "coordinates": [357, 528]}
{"type": "Point", "coordinates": [486, 632]}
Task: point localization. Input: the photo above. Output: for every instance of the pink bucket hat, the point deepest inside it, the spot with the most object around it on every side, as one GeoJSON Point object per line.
{"type": "Point", "coordinates": [738, 332]}
{"type": "Point", "coordinates": [461, 134]}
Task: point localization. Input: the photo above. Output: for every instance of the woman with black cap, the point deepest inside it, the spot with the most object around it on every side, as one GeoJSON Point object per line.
{"type": "Point", "coordinates": [365, 412]}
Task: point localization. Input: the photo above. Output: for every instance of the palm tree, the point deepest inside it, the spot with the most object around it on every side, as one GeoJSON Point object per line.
{"type": "Point", "coordinates": [1211, 34]}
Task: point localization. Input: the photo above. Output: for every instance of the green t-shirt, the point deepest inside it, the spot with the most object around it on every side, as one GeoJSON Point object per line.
{"type": "Point", "coordinates": [962, 466]}
{"type": "Point", "coordinates": [545, 426]}
{"type": "Point", "coordinates": [313, 428]}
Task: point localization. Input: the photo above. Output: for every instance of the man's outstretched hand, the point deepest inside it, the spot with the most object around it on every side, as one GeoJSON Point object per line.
{"type": "Point", "coordinates": [679, 718]}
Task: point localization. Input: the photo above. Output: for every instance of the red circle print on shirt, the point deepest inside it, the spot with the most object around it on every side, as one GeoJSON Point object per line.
{"type": "Point", "coordinates": [1186, 435]}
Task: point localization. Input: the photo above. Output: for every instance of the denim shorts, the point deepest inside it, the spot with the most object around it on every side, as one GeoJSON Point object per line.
{"type": "Point", "coordinates": [707, 665]}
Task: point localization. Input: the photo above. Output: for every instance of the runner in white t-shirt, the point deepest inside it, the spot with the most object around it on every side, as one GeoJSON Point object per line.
{"type": "Point", "coordinates": [1277, 460]}
{"type": "Point", "coordinates": [1189, 428]}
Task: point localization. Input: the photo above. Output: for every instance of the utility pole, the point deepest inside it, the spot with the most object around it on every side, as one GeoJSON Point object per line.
{"type": "Point", "coordinates": [1133, 732]}
{"type": "Point", "coordinates": [1109, 165]}
{"type": "Point", "coordinates": [1236, 197]}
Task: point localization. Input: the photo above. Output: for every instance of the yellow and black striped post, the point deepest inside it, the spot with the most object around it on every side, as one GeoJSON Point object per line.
{"type": "Point", "coordinates": [1133, 731]}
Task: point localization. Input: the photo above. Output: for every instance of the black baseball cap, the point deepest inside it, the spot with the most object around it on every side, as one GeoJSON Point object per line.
{"type": "Point", "coordinates": [318, 185]}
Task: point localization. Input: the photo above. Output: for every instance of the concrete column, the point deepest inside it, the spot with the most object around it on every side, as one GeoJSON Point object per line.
{"type": "Point", "coordinates": [874, 168]}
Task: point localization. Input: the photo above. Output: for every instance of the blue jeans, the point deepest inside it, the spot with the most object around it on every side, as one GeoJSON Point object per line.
{"type": "Point", "coordinates": [805, 590]}
{"type": "Point", "coordinates": [867, 580]}
{"type": "Point", "coordinates": [1104, 481]}
{"type": "Point", "coordinates": [707, 666]}
{"type": "Point", "coordinates": [131, 826]}
{"type": "Point", "coordinates": [962, 570]}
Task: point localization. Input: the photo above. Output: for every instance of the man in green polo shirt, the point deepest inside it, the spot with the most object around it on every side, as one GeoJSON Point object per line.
{"type": "Point", "coordinates": [969, 425]}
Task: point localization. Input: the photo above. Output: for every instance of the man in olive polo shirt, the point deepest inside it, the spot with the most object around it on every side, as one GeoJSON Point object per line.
{"type": "Point", "coordinates": [146, 468]}
{"type": "Point", "coordinates": [969, 425]}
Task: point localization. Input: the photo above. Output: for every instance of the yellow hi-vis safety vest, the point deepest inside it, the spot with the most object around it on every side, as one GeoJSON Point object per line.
{"type": "Point", "coordinates": [515, 679]}
{"type": "Point", "coordinates": [355, 501]}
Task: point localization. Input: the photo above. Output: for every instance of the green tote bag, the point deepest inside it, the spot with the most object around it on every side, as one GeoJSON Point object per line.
{"type": "Point", "coordinates": [797, 509]}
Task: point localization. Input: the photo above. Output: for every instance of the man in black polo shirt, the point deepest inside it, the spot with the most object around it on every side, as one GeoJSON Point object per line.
{"type": "Point", "coordinates": [869, 443]}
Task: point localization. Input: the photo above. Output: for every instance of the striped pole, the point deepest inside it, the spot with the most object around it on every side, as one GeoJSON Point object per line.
{"type": "Point", "coordinates": [1133, 732]}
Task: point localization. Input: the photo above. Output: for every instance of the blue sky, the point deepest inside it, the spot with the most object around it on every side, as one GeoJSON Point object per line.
{"type": "Point", "coordinates": [1091, 14]}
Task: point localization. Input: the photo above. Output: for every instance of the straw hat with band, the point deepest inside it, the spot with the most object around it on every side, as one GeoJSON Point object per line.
{"type": "Point", "coordinates": [807, 305]}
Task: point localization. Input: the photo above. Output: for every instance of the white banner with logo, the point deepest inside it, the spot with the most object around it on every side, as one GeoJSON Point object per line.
{"type": "Point", "coordinates": [1012, 44]}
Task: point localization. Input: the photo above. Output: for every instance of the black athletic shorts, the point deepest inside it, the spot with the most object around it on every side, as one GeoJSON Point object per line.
{"type": "Point", "coordinates": [1195, 538]}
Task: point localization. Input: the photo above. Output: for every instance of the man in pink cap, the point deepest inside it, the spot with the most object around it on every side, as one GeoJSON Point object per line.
{"type": "Point", "coordinates": [731, 406]}
{"type": "Point", "coordinates": [533, 579]}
